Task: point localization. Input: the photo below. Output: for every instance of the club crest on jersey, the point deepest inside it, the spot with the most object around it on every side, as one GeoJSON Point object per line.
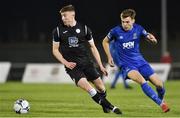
{"type": "Point", "coordinates": [134, 36]}
{"type": "Point", "coordinates": [128, 45]}
{"type": "Point", "coordinates": [73, 42]}
{"type": "Point", "coordinates": [120, 37]}
{"type": "Point", "coordinates": [78, 31]}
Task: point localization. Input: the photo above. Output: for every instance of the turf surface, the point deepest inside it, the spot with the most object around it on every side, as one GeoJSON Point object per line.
{"type": "Point", "coordinates": [66, 100]}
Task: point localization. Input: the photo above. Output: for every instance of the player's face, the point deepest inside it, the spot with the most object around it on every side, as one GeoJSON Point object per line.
{"type": "Point", "coordinates": [127, 23]}
{"type": "Point", "coordinates": [68, 17]}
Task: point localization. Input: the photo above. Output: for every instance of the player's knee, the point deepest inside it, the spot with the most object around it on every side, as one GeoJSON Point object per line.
{"type": "Point", "coordinates": [140, 80]}
{"type": "Point", "coordinates": [101, 87]}
{"type": "Point", "coordinates": [136, 76]}
{"type": "Point", "coordinates": [84, 84]}
{"type": "Point", "coordinates": [159, 84]}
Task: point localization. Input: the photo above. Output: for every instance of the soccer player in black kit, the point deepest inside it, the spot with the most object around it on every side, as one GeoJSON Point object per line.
{"type": "Point", "coordinates": [70, 48]}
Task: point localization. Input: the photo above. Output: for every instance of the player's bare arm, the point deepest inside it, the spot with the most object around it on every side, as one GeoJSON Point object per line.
{"type": "Point", "coordinates": [107, 51]}
{"type": "Point", "coordinates": [97, 56]}
{"type": "Point", "coordinates": [152, 38]}
{"type": "Point", "coordinates": [59, 57]}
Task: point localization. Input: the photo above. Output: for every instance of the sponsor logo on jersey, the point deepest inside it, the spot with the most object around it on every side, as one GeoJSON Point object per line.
{"type": "Point", "coordinates": [73, 42]}
{"type": "Point", "coordinates": [78, 31]}
{"type": "Point", "coordinates": [128, 45]}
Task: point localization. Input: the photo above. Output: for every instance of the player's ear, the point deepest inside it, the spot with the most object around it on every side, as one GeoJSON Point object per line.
{"type": "Point", "coordinates": [133, 20]}
{"type": "Point", "coordinates": [73, 13]}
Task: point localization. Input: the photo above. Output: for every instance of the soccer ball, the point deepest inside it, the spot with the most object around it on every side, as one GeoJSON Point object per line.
{"type": "Point", "coordinates": [21, 106]}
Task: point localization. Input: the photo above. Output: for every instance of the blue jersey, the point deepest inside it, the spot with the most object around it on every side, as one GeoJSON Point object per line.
{"type": "Point", "coordinates": [126, 44]}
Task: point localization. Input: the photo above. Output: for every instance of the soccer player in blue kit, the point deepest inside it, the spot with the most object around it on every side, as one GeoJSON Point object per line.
{"type": "Point", "coordinates": [127, 38]}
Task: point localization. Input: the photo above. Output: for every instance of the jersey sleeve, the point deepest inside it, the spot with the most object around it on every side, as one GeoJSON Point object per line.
{"type": "Point", "coordinates": [144, 33]}
{"type": "Point", "coordinates": [56, 36]}
{"type": "Point", "coordinates": [88, 33]}
{"type": "Point", "coordinates": [110, 35]}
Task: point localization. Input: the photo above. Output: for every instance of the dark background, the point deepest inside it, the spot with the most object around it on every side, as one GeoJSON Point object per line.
{"type": "Point", "coordinates": [26, 25]}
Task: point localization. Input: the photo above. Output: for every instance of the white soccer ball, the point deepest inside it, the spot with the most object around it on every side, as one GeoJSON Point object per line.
{"type": "Point", "coordinates": [21, 106]}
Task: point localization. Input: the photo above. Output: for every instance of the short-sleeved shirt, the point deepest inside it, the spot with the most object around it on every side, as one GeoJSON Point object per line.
{"type": "Point", "coordinates": [73, 42]}
{"type": "Point", "coordinates": [126, 44]}
{"type": "Point", "coordinates": [127, 54]}
{"type": "Point", "coordinates": [74, 47]}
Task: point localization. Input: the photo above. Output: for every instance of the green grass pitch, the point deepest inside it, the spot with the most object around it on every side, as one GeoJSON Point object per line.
{"type": "Point", "coordinates": [66, 100]}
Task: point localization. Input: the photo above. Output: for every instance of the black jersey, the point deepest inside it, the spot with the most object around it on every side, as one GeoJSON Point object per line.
{"type": "Point", "coordinates": [73, 42]}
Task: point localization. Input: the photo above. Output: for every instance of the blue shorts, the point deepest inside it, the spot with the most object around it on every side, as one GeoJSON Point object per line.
{"type": "Point", "coordinates": [145, 70]}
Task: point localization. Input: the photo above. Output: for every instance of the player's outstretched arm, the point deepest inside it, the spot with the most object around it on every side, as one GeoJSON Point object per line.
{"type": "Point", "coordinates": [151, 38]}
{"type": "Point", "coordinates": [59, 57]}
{"type": "Point", "coordinates": [105, 44]}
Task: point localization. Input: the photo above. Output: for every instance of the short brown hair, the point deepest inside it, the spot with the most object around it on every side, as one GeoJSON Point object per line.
{"type": "Point", "coordinates": [67, 8]}
{"type": "Point", "coordinates": [128, 13]}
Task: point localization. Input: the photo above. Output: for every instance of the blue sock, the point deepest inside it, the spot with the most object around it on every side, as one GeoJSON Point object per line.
{"type": "Point", "coordinates": [150, 93]}
{"type": "Point", "coordinates": [161, 92]}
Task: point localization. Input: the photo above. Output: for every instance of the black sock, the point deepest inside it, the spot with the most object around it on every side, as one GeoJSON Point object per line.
{"type": "Point", "coordinates": [102, 101]}
{"type": "Point", "coordinates": [97, 98]}
{"type": "Point", "coordinates": [103, 94]}
{"type": "Point", "coordinates": [107, 104]}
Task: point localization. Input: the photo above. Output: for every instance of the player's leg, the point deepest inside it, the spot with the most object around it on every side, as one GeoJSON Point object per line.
{"type": "Point", "coordinates": [137, 77]}
{"type": "Point", "coordinates": [160, 90]}
{"type": "Point", "coordinates": [92, 75]}
{"type": "Point", "coordinates": [99, 97]}
{"type": "Point", "coordinates": [80, 79]}
{"type": "Point", "coordinates": [148, 73]}
{"type": "Point", "coordinates": [102, 92]}
{"type": "Point", "coordinates": [85, 85]}
{"type": "Point", "coordinates": [154, 79]}
{"type": "Point", "coordinates": [106, 105]}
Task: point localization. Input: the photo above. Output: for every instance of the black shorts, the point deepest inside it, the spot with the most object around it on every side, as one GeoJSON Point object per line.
{"type": "Point", "coordinates": [87, 71]}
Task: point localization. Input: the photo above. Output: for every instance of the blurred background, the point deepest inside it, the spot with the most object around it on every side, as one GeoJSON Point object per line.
{"type": "Point", "coordinates": [26, 29]}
